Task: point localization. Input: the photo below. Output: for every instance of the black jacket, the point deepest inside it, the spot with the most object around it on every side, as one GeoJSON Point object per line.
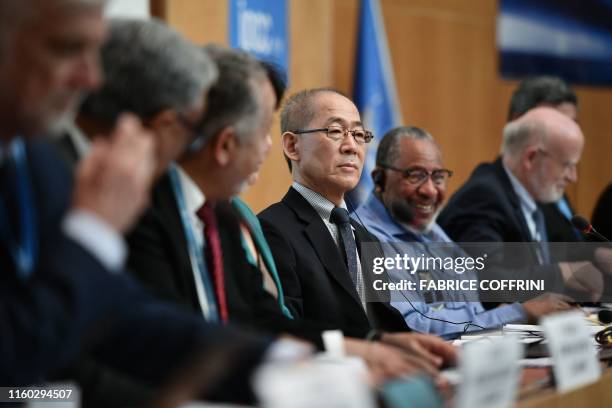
{"type": "Point", "coordinates": [315, 279]}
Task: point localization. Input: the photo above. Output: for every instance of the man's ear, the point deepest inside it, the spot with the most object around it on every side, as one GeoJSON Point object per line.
{"type": "Point", "coordinates": [529, 157]}
{"type": "Point", "coordinates": [225, 145]}
{"type": "Point", "coordinates": [291, 146]}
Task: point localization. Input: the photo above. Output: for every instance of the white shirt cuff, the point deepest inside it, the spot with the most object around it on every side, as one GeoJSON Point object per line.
{"type": "Point", "coordinates": [97, 237]}
{"type": "Point", "coordinates": [285, 350]}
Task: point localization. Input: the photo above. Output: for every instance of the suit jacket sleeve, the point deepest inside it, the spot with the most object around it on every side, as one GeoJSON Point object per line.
{"type": "Point", "coordinates": [285, 259]}
{"type": "Point", "coordinates": [73, 305]}
{"type": "Point", "coordinates": [152, 265]}
{"type": "Point", "coordinates": [472, 217]}
{"type": "Point", "coordinates": [256, 307]}
{"type": "Point", "coordinates": [42, 321]}
{"type": "Point", "coordinates": [476, 215]}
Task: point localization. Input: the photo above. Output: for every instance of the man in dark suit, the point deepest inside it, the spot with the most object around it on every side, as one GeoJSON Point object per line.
{"type": "Point", "coordinates": [166, 245]}
{"type": "Point", "coordinates": [501, 201]}
{"type": "Point", "coordinates": [318, 254]}
{"type": "Point", "coordinates": [554, 92]}
{"type": "Point", "coordinates": [62, 292]}
{"type": "Point", "coordinates": [602, 215]}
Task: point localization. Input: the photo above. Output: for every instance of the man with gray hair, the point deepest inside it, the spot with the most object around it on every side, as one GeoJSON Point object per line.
{"type": "Point", "coordinates": [158, 75]}
{"type": "Point", "coordinates": [61, 290]}
{"type": "Point", "coordinates": [550, 91]}
{"type": "Point", "coordinates": [155, 73]}
{"type": "Point", "coordinates": [410, 187]}
{"type": "Point", "coordinates": [501, 200]}
{"type": "Point", "coordinates": [315, 245]}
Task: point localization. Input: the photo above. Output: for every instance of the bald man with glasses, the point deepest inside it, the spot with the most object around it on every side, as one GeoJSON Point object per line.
{"type": "Point", "coordinates": [316, 246]}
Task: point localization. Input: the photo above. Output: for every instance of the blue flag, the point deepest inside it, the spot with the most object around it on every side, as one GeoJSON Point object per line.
{"type": "Point", "coordinates": [260, 27]}
{"type": "Point", "coordinates": [374, 90]}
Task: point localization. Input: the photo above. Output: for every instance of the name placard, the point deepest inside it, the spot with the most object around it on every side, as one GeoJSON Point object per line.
{"type": "Point", "coordinates": [573, 350]}
{"type": "Point", "coordinates": [489, 373]}
{"type": "Point", "coordinates": [314, 383]}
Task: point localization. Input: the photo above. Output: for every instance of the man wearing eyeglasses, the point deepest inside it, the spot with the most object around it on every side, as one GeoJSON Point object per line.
{"type": "Point", "coordinates": [317, 248]}
{"type": "Point", "coordinates": [410, 187]}
{"type": "Point", "coordinates": [501, 201]}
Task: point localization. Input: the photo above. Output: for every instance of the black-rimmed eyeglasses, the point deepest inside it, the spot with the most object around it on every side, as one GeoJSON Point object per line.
{"type": "Point", "coordinates": [419, 175]}
{"type": "Point", "coordinates": [337, 133]}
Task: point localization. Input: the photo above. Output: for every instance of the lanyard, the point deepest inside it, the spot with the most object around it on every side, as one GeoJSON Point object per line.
{"type": "Point", "coordinates": [205, 294]}
{"type": "Point", "coordinates": [23, 250]}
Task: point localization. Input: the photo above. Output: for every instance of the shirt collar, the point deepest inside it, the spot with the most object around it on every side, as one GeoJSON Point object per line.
{"type": "Point", "coordinates": [374, 209]}
{"type": "Point", "coordinates": [81, 143]}
{"type": "Point", "coordinates": [194, 197]}
{"type": "Point", "coordinates": [322, 205]}
{"type": "Point", "coordinates": [526, 200]}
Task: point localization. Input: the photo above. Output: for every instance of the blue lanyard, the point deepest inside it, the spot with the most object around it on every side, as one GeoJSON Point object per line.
{"type": "Point", "coordinates": [195, 252]}
{"type": "Point", "coordinates": [23, 252]}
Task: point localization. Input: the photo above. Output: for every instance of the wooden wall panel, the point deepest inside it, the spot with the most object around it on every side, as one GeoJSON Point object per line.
{"type": "Point", "coordinates": [445, 73]}
{"type": "Point", "coordinates": [445, 61]}
{"type": "Point", "coordinates": [595, 169]}
{"type": "Point", "coordinates": [202, 21]}
{"type": "Point", "coordinates": [310, 28]}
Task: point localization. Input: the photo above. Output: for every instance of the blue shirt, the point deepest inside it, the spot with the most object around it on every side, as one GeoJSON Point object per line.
{"type": "Point", "coordinates": [375, 217]}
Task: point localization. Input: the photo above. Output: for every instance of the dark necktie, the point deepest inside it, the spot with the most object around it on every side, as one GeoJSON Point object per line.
{"type": "Point", "coordinates": [542, 238]}
{"type": "Point", "coordinates": [340, 217]}
{"type": "Point", "coordinates": [214, 256]}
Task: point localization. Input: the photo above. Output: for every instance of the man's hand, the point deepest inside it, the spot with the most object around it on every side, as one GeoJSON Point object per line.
{"type": "Point", "coordinates": [114, 180]}
{"type": "Point", "coordinates": [583, 277]}
{"type": "Point", "coordinates": [603, 259]}
{"type": "Point", "coordinates": [546, 304]}
{"type": "Point", "coordinates": [388, 362]}
{"type": "Point", "coordinates": [430, 348]}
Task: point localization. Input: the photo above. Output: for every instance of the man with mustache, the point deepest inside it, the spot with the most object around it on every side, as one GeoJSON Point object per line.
{"type": "Point", "coordinates": [410, 187]}
{"type": "Point", "coordinates": [231, 143]}
{"type": "Point", "coordinates": [62, 290]}
{"type": "Point", "coordinates": [550, 91]}
{"type": "Point", "coordinates": [316, 247]}
{"type": "Point", "coordinates": [500, 202]}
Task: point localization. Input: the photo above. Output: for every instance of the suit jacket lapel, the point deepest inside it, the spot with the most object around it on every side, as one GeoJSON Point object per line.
{"type": "Point", "coordinates": [168, 213]}
{"type": "Point", "coordinates": [322, 242]}
{"type": "Point", "coordinates": [513, 198]}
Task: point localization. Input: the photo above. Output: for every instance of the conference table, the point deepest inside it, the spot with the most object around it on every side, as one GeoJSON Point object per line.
{"type": "Point", "coordinates": [534, 394]}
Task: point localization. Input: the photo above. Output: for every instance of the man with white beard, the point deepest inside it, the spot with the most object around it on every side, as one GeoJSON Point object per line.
{"type": "Point", "coordinates": [500, 202]}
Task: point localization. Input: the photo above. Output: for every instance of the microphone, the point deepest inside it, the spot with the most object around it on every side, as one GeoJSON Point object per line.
{"type": "Point", "coordinates": [586, 228]}
{"type": "Point", "coordinates": [605, 316]}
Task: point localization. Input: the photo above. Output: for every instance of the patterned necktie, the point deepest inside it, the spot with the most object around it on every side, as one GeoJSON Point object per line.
{"type": "Point", "coordinates": [542, 236]}
{"type": "Point", "coordinates": [340, 217]}
{"type": "Point", "coordinates": [214, 256]}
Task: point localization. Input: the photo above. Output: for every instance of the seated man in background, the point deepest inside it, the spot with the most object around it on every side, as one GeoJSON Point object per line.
{"type": "Point", "coordinates": [62, 292]}
{"type": "Point", "coordinates": [500, 202]}
{"type": "Point", "coordinates": [410, 187]}
{"type": "Point", "coordinates": [161, 252]}
{"type": "Point", "coordinates": [313, 242]}
{"type": "Point", "coordinates": [554, 92]}
{"type": "Point", "coordinates": [188, 247]}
